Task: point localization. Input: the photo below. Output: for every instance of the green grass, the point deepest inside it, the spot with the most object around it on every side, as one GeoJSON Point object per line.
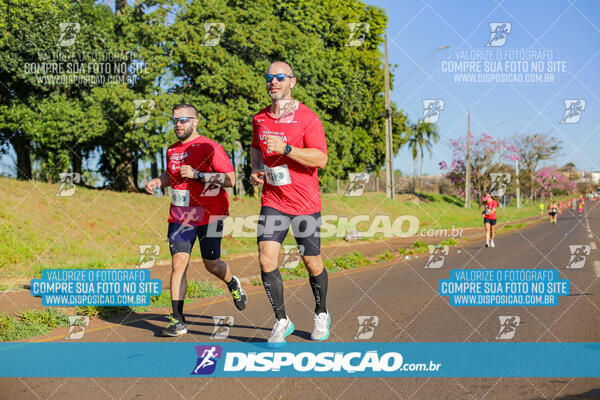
{"type": "Point", "coordinates": [195, 290]}
{"type": "Point", "coordinates": [108, 312]}
{"type": "Point", "coordinates": [387, 255]}
{"type": "Point", "coordinates": [31, 323]}
{"type": "Point", "coordinates": [349, 261]}
{"type": "Point", "coordinates": [103, 229]}
{"type": "Point", "coordinates": [202, 289]}
{"type": "Point", "coordinates": [449, 242]}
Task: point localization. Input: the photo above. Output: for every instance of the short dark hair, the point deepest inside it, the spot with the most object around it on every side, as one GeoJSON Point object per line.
{"type": "Point", "coordinates": [185, 105]}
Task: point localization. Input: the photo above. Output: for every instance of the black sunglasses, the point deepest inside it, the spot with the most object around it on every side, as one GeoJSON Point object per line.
{"type": "Point", "coordinates": [183, 120]}
{"type": "Point", "coordinates": [280, 77]}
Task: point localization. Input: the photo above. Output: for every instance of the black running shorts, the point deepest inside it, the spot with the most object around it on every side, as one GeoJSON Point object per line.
{"type": "Point", "coordinates": [489, 221]}
{"type": "Point", "coordinates": [182, 239]}
{"type": "Point", "coordinates": [273, 225]}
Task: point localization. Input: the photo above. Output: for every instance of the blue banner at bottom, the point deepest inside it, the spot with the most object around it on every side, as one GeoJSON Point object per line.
{"type": "Point", "coordinates": [331, 359]}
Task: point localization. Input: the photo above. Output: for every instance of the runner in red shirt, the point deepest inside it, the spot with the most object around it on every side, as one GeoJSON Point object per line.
{"type": "Point", "coordinates": [288, 147]}
{"type": "Point", "coordinates": [197, 170]}
{"type": "Point", "coordinates": [489, 219]}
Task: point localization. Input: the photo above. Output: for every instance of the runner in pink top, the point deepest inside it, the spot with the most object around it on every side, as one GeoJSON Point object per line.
{"type": "Point", "coordinates": [489, 219]}
{"type": "Point", "coordinates": [288, 148]}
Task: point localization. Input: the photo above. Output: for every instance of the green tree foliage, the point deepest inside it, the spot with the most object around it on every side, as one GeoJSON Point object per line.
{"type": "Point", "coordinates": [171, 62]}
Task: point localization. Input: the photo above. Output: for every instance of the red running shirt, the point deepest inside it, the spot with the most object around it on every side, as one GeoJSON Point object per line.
{"type": "Point", "coordinates": [194, 201]}
{"type": "Point", "coordinates": [488, 206]}
{"type": "Point", "coordinates": [289, 186]}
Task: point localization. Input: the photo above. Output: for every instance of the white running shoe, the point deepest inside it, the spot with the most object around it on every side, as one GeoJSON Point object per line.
{"type": "Point", "coordinates": [281, 329]}
{"type": "Point", "coordinates": [321, 329]}
{"type": "Point", "coordinates": [492, 243]}
{"type": "Point", "coordinates": [487, 244]}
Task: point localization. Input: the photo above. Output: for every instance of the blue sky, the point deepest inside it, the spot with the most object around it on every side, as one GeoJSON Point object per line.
{"type": "Point", "coordinates": [571, 31]}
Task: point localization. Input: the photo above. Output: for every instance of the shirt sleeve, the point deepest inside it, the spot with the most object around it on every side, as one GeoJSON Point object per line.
{"type": "Point", "coordinates": [314, 136]}
{"type": "Point", "coordinates": [255, 140]}
{"type": "Point", "coordinates": [221, 161]}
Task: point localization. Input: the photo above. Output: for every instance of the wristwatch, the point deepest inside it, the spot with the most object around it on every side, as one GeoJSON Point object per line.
{"type": "Point", "coordinates": [200, 176]}
{"type": "Point", "coordinates": [287, 150]}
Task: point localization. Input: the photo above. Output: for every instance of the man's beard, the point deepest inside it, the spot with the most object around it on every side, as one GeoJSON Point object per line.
{"type": "Point", "coordinates": [185, 134]}
{"type": "Point", "coordinates": [279, 95]}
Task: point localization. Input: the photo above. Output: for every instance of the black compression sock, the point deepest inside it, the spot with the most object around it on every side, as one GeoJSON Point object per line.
{"type": "Point", "coordinates": [232, 285]}
{"type": "Point", "coordinates": [178, 310]}
{"type": "Point", "coordinates": [274, 288]}
{"type": "Point", "coordinates": [319, 287]}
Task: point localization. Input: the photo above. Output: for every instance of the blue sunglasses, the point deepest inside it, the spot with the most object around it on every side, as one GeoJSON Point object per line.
{"type": "Point", "coordinates": [280, 77]}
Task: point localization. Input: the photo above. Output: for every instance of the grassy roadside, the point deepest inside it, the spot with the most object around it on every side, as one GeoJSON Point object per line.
{"type": "Point", "coordinates": [103, 229]}
{"type": "Point", "coordinates": [38, 322]}
{"type": "Point", "coordinates": [32, 323]}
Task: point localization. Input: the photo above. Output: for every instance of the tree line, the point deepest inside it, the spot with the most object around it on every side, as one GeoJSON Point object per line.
{"type": "Point", "coordinates": [79, 79]}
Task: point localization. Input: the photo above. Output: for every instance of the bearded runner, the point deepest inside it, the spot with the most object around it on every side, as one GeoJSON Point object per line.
{"type": "Point", "coordinates": [197, 170]}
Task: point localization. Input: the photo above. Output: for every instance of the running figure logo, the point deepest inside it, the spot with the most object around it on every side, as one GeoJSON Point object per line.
{"type": "Point", "coordinates": [68, 180]}
{"type": "Point", "coordinates": [358, 33]}
{"type": "Point", "coordinates": [223, 324]}
{"type": "Point", "coordinates": [142, 111]}
{"type": "Point", "coordinates": [366, 326]}
{"type": "Point", "coordinates": [212, 33]}
{"type": "Point", "coordinates": [573, 110]}
{"type": "Point", "coordinates": [499, 33]}
{"type": "Point", "coordinates": [292, 254]}
{"type": "Point", "coordinates": [68, 33]}
{"type": "Point", "coordinates": [358, 183]}
{"type": "Point", "coordinates": [579, 253]}
{"type": "Point", "coordinates": [437, 255]}
{"type": "Point", "coordinates": [212, 184]}
{"type": "Point", "coordinates": [499, 182]}
{"type": "Point", "coordinates": [193, 214]}
{"type": "Point", "coordinates": [431, 110]}
{"type": "Point", "coordinates": [148, 255]}
{"type": "Point", "coordinates": [508, 326]}
{"type": "Point", "coordinates": [77, 327]}
{"type": "Point", "coordinates": [207, 359]}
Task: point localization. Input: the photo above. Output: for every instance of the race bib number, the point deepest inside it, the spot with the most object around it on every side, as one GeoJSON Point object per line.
{"type": "Point", "coordinates": [278, 176]}
{"type": "Point", "coordinates": [180, 198]}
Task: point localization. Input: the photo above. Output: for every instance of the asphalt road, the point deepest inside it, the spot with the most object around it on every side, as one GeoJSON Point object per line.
{"type": "Point", "coordinates": [403, 296]}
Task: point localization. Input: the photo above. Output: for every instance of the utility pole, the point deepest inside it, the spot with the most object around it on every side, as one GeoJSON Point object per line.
{"type": "Point", "coordinates": [389, 147]}
{"type": "Point", "coordinates": [517, 178]}
{"type": "Point", "coordinates": [468, 174]}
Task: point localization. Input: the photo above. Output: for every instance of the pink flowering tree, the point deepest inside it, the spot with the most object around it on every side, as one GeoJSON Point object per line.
{"type": "Point", "coordinates": [488, 154]}
{"type": "Point", "coordinates": [551, 181]}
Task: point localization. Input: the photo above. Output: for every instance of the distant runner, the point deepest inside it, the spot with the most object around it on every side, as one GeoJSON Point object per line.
{"type": "Point", "coordinates": [489, 219]}
{"type": "Point", "coordinates": [197, 170]}
{"type": "Point", "coordinates": [553, 212]}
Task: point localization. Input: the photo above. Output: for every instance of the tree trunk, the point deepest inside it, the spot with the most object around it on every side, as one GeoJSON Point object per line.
{"type": "Point", "coordinates": [77, 161]}
{"type": "Point", "coordinates": [421, 173]}
{"type": "Point", "coordinates": [135, 169]}
{"type": "Point", "coordinates": [415, 175]}
{"type": "Point", "coordinates": [154, 169]}
{"type": "Point", "coordinates": [22, 148]}
{"type": "Point", "coordinates": [124, 173]}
